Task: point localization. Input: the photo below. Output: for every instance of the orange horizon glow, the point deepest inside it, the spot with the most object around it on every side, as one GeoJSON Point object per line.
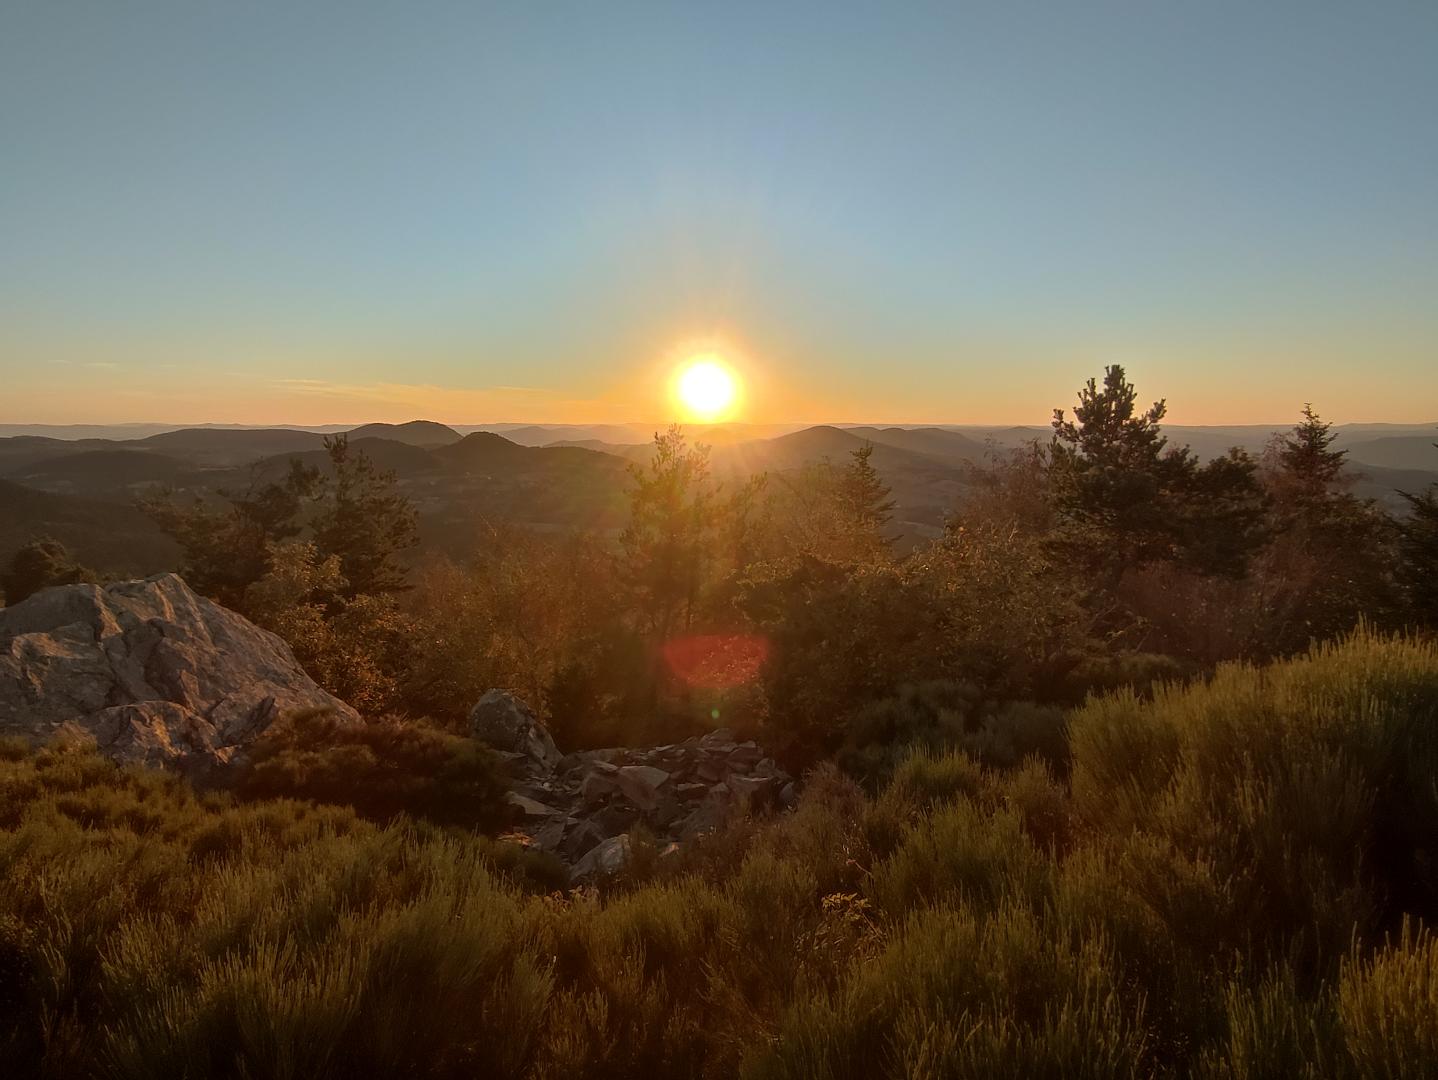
{"type": "Point", "coordinates": [769, 383]}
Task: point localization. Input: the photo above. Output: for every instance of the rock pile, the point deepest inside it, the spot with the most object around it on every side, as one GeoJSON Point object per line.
{"type": "Point", "coordinates": [581, 806]}
{"type": "Point", "coordinates": [153, 672]}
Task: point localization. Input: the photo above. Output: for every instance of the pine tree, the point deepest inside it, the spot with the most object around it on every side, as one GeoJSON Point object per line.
{"type": "Point", "coordinates": [1418, 551]}
{"type": "Point", "coordinates": [1418, 555]}
{"type": "Point", "coordinates": [864, 500]}
{"type": "Point", "coordinates": [1124, 497]}
{"type": "Point", "coordinates": [365, 521]}
{"type": "Point", "coordinates": [670, 539]}
{"type": "Point", "coordinates": [1306, 453]}
{"type": "Point", "coordinates": [1332, 558]}
{"type": "Point", "coordinates": [1115, 484]}
{"type": "Point", "coordinates": [226, 550]}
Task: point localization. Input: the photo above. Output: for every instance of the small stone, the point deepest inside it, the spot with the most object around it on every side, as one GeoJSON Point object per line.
{"type": "Point", "coordinates": [617, 817]}
{"type": "Point", "coordinates": [640, 784]}
{"type": "Point", "coordinates": [605, 858]}
{"type": "Point", "coordinates": [596, 786]}
{"type": "Point", "coordinates": [746, 753]}
{"type": "Point", "coordinates": [579, 837]}
{"type": "Point", "coordinates": [710, 771]}
{"type": "Point", "coordinates": [550, 835]}
{"type": "Point", "coordinates": [713, 812]}
{"type": "Point", "coordinates": [528, 807]}
{"type": "Point", "coordinates": [748, 788]}
{"type": "Point", "coordinates": [668, 811]}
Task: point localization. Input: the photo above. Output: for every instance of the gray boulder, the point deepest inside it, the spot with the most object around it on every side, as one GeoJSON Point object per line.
{"type": "Point", "coordinates": [605, 858]}
{"type": "Point", "coordinates": [640, 784]}
{"type": "Point", "coordinates": [506, 723]}
{"type": "Point", "coordinates": [153, 672]}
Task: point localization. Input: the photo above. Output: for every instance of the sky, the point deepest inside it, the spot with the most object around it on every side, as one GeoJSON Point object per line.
{"type": "Point", "coordinates": [318, 211]}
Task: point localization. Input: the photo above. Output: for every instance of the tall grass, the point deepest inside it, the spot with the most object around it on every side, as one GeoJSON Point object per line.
{"type": "Point", "coordinates": [1236, 880]}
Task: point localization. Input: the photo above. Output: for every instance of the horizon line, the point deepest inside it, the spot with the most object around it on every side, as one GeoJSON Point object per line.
{"type": "Point", "coordinates": [658, 424]}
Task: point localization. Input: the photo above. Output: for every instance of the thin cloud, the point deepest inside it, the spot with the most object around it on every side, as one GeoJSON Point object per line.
{"type": "Point", "coordinates": [427, 399]}
{"type": "Point", "coordinates": [400, 391]}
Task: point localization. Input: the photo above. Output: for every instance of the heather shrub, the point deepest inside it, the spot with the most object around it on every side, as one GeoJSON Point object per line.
{"type": "Point", "coordinates": [958, 994]}
{"type": "Point", "coordinates": [935, 716]}
{"type": "Point", "coordinates": [379, 767]}
{"type": "Point", "coordinates": [1301, 786]}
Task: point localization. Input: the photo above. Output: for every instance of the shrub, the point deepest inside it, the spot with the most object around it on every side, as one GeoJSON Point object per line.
{"type": "Point", "coordinates": [1301, 785]}
{"type": "Point", "coordinates": [381, 768]}
{"type": "Point", "coordinates": [938, 715]}
{"type": "Point", "coordinates": [1235, 887]}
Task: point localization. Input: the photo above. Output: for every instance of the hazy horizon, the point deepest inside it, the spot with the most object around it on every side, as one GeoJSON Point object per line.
{"type": "Point", "coordinates": [772, 427]}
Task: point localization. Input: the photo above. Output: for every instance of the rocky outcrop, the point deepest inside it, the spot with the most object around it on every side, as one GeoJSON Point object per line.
{"type": "Point", "coordinates": [507, 724]}
{"type": "Point", "coordinates": [155, 673]}
{"type": "Point", "coordinates": [581, 807]}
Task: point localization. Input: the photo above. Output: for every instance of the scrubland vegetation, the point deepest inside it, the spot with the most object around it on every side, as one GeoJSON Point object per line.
{"type": "Point", "coordinates": [1233, 879]}
{"type": "Point", "coordinates": [1132, 772]}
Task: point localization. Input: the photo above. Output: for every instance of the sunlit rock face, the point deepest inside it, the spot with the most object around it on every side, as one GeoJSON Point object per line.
{"type": "Point", "coordinates": [150, 670]}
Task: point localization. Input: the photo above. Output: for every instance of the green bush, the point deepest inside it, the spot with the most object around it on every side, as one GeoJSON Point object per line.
{"type": "Point", "coordinates": [381, 768]}
{"type": "Point", "coordinates": [1306, 787]}
{"type": "Point", "coordinates": [938, 715]}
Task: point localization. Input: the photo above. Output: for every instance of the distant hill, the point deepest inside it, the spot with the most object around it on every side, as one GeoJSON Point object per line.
{"type": "Point", "coordinates": [400, 458]}
{"type": "Point", "coordinates": [221, 446]}
{"type": "Point", "coordinates": [544, 434]}
{"type": "Point", "coordinates": [817, 444]}
{"type": "Point", "coordinates": [1384, 485]}
{"type": "Point", "coordinates": [1396, 451]}
{"type": "Point", "coordinates": [112, 537]}
{"type": "Point", "coordinates": [486, 477]}
{"type": "Point", "coordinates": [425, 433]}
{"type": "Point", "coordinates": [21, 451]}
{"type": "Point", "coordinates": [941, 443]}
{"type": "Point", "coordinates": [488, 453]}
{"type": "Point", "coordinates": [103, 471]}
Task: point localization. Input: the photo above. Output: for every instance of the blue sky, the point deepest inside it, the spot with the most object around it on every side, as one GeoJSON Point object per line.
{"type": "Point", "coordinates": [327, 211]}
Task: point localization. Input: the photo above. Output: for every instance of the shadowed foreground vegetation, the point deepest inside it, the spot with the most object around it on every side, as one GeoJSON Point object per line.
{"type": "Point", "coordinates": [1234, 879]}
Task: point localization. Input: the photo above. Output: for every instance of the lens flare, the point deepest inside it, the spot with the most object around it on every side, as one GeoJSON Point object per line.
{"type": "Point", "coordinates": [716, 661]}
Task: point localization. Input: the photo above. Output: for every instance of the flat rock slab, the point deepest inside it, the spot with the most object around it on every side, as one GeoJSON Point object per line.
{"type": "Point", "coordinates": [640, 784]}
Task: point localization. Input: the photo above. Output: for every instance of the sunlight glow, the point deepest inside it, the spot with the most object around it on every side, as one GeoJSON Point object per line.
{"type": "Point", "coordinates": [706, 389]}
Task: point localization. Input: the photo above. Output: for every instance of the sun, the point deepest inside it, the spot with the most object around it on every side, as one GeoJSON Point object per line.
{"type": "Point", "coordinates": [706, 389]}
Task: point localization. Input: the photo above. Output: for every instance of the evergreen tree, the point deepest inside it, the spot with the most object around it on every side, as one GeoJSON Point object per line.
{"type": "Point", "coordinates": [39, 565]}
{"type": "Point", "coordinates": [1418, 552]}
{"type": "Point", "coordinates": [1418, 549]}
{"type": "Point", "coordinates": [864, 501]}
{"type": "Point", "coordinates": [1116, 486]}
{"type": "Point", "coordinates": [228, 549]}
{"type": "Point", "coordinates": [1306, 453]}
{"type": "Point", "coordinates": [670, 540]}
{"type": "Point", "coordinates": [1332, 557]}
{"type": "Point", "coordinates": [1224, 519]}
{"type": "Point", "coordinates": [364, 521]}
